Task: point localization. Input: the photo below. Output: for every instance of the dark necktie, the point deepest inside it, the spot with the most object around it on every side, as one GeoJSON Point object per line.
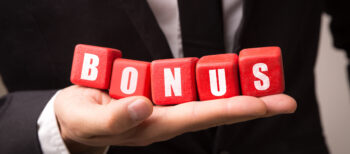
{"type": "Point", "coordinates": [201, 27]}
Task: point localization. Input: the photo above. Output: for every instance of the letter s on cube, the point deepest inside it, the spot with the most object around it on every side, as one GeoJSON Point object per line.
{"type": "Point", "coordinates": [92, 66]}
{"type": "Point", "coordinates": [217, 76]}
{"type": "Point", "coordinates": [130, 78]}
{"type": "Point", "coordinates": [173, 81]}
{"type": "Point", "coordinates": [261, 71]}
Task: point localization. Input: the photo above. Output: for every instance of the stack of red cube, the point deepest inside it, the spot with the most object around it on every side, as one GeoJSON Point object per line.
{"type": "Point", "coordinates": [173, 81]}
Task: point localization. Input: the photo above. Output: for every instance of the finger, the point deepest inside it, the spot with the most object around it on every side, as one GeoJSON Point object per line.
{"type": "Point", "coordinates": [279, 104]}
{"type": "Point", "coordinates": [126, 113]}
{"type": "Point", "coordinates": [170, 121]}
{"type": "Point", "coordinates": [205, 114]}
{"type": "Point", "coordinates": [117, 116]}
{"type": "Point", "coordinates": [195, 116]}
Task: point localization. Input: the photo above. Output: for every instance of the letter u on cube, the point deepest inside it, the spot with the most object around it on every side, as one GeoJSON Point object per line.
{"type": "Point", "coordinates": [176, 81]}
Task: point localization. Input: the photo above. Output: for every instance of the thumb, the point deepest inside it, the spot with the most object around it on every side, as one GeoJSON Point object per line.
{"type": "Point", "coordinates": [123, 114]}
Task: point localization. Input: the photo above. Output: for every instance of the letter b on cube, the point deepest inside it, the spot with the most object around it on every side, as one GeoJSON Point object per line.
{"type": "Point", "coordinates": [92, 66]}
{"type": "Point", "coordinates": [173, 81]}
{"type": "Point", "coordinates": [261, 71]}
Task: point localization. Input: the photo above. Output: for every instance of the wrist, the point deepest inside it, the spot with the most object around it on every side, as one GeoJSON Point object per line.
{"type": "Point", "coordinates": [76, 147]}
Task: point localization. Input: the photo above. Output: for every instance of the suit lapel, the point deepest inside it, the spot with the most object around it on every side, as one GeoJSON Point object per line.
{"type": "Point", "coordinates": [146, 25]}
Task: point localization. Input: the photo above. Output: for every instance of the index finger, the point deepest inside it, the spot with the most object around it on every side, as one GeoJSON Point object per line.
{"type": "Point", "coordinates": [169, 121]}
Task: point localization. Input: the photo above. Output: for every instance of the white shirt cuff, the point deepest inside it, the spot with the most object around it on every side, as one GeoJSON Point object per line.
{"type": "Point", "coordinates": [49, 134]}
{"type": "Point", "coordinates": [48, 131]}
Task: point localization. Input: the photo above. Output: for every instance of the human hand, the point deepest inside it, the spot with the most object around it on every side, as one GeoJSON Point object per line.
{"type": "Point", "coordinates": [90, 120]}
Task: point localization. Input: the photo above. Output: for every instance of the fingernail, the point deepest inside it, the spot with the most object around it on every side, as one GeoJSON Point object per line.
{"type": "Point", "coordinates": [138, 110]}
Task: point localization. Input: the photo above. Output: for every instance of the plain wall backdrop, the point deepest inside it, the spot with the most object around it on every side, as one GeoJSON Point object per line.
{"type": "Point", "coordinates": [332, 91]}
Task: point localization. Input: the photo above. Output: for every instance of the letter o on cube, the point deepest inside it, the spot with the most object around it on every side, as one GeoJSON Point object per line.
{"type": "Point", "coordinates": [130, 78]}
{"type": "Point", "coordinates": [92, 66]}
{"type": "Point", "coordinates": [261, 71]}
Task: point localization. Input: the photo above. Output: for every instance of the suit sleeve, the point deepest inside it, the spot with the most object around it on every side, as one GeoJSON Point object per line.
{"type": "Point", "coordinates": [340, 25]}
{"type": "Point", "coordinates": [19, 113]}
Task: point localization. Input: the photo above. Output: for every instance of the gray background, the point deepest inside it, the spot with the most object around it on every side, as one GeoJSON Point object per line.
{"type": "Point", "coordinates": [332, 91]}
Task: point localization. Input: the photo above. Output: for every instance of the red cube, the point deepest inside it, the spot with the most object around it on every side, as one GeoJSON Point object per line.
{"type": "Point", "coordinates": [217, 76]}
{"type": "Point", "coordinates": [130, 78]}
{"type": "Point", "coordinates": [261, 71]}
{"type": "Point", "coordinates": [173, 81]}
{"type": "Point", "coordinates": [92, 66]}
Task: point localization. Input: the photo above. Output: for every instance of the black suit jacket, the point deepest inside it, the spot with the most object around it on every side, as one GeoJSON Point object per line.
{"type": "Point", "coordinates": [37, 40]}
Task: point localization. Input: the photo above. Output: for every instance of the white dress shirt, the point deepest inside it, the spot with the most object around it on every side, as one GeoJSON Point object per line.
{"type": "Point", "coordinates": [167, 15]}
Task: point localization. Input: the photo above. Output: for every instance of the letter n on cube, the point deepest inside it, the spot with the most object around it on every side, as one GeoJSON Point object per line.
{"type": "Point", "coordinates": [173, 81]}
